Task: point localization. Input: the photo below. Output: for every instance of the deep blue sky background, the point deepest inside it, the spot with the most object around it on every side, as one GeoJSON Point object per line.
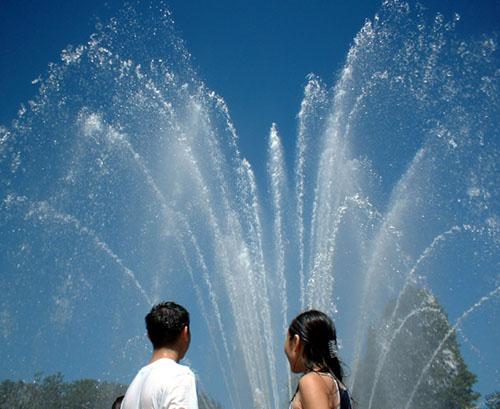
{"type": "Point", "coordinates": [255, 54]}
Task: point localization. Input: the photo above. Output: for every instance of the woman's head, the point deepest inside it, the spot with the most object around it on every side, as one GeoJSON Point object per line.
{"type": "Point", "coordinates": [313, 337]}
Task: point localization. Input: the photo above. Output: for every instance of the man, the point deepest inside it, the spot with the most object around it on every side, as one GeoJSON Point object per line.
{"type": "Point", "coordinates": [164, 383]}
{"type": "Point", "coordinates": [117, 404]}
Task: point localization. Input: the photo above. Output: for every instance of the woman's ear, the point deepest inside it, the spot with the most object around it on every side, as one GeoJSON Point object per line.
{"type": "Point", "coordinates": [296, 343]}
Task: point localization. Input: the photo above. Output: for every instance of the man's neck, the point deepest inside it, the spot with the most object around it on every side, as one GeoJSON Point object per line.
{"type": "Point", "coordinates": [161, 353]}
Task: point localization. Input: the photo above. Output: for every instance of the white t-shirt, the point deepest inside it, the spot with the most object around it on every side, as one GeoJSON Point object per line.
{"type": "Point", "coordinates": [160, 385]}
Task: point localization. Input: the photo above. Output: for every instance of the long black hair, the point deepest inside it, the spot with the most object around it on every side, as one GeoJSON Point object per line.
{"type": "Point", "coordinates": [319, 338]}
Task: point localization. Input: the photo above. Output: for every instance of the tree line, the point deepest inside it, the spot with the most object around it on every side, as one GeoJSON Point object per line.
{"type": "Point", "coordinates": [53, 392]}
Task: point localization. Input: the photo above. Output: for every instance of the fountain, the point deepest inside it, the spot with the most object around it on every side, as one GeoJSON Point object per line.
{"type": "Point", "coordinates": [122, 184]}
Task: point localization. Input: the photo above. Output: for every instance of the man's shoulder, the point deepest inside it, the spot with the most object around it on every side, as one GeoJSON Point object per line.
{"type": "Point", "coordinates": [160, 380]}
{"type": "Point", "coordinates": [168, 365]}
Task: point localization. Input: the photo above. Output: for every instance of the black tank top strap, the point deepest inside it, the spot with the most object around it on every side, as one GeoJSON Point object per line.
{"type": "Point", "coordinates": [345, 398]}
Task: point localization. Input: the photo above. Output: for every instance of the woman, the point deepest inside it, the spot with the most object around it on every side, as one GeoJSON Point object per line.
{"type": "Point", "coordinates": [311, 348]}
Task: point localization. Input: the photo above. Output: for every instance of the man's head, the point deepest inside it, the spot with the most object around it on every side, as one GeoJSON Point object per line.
{"type": "Point", "coordinates": [165, 323]}
{"type": "Point", "coordinates": [118, 402]}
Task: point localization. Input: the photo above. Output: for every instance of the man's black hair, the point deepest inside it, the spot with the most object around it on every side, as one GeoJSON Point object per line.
{"type": "Point", "coordinates": [165, 323]}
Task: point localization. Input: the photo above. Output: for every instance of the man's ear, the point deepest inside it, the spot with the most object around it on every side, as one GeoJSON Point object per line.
{"type": "Point", "coordinates": [183, 335]}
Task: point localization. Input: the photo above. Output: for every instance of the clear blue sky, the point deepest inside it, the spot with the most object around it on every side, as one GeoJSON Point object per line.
{"type": "Point", "coordinates": [255, 54]}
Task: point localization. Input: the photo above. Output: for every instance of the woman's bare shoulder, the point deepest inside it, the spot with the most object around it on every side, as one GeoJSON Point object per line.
{"type": "Point", "coordinates": [315, 380]}
{"type": "Point", "coordinates": [314, 390]}
{"type": "Point", "coordinates": [309, 377]}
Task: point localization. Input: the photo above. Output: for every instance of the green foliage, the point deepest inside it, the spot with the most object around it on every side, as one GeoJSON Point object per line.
{"type": "Point", "coordinates": [413, 356]}
{"type": "Point", "coordinates": [52, 392]}
{"type": "Point", "coordinates": [493, 400]}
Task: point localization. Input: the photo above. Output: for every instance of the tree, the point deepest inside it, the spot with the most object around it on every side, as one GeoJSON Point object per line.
{"type": "Point", "coordinates": [493, 400]}
{"type": "Point", "coordinates": [413, 359]}
{"type": "Point", "coordinates": [52, 392]}
{"type": "Point", "coordinates": [9, 394]}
